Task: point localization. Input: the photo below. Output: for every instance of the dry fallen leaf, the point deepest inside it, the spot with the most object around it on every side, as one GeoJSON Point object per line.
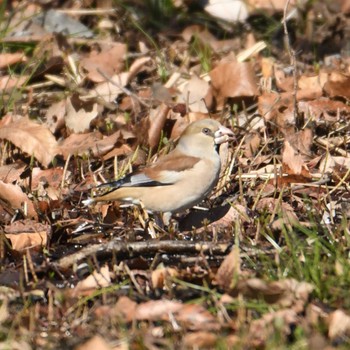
{"type": "Point", "coordinates": [338, 324]}
{"type": "Point", "coordinates": [283, 82]}
{"type": "Point", "coordinates": [229, 270]}
{"type": "Point", "coordinates": [323, 107]}
{"type": "Point", "coordinates": [95, 343]}
{"type": "Point", "coordinates": [262, 329]}
{"type": "Point", "coordinates": [103, 64]}
{"type": "Point", "coordinates": [79, 114]}
{"type": "Point", "coordinates": [156, 122]}
{"type": "Point", "coordinates": [338, 85]}
{"type": "Point", "coordinates": [200, 340]}
{"type": "Point", "coordinates": [315, 82]}
{"type": "Point", "coordinates": [193, 317]}
{"type": "Point", "coordinates": [272, 6]}
{"type": "Point", "coordinates": [201, 33]}
{"type": "Point", "coordinates": [125, 309]}
{"type": "Point", "coordinates": [286, 293]}
{"type": "Point", "coordinates": [15, 198]}
{"type": "Point", "coordinates": [82, 144]}
{"type": "Point", "coordinates": [55, 116]}
{"type": "Point", "coordinates": [302, 142]}
{"type": "Point", "coordinates": [160, 276]}
{"type": "Point", "coordinates": [48, 177]}
{"type": "Point", "coordinates": [27, 234]}
{"type": "Point", "coordinates": [111, 89]}
{"type": "Point", "coordinates": [285, 212]}
{"type": "Point", "coordinates": [328, 163]}
{"type": "Point", "coordinates": [269, 103]}
{"type": "Point", "coordinates": [219, 217]}
{"type": "Point", "coordinates": [252, 144]}
{"type": "Point", "coordinates": [196, 317]}
{"type": "Point", "coordinates": [32, 138]}
{"type": "Point", "coordinates": [11, 172]}
{"type": "Point", "coordinates": [345, 8]}
{"type": "Point", "coordinates": [157, 309]}
{"type": "Point", "coordinates": [233, 79]}
{"type": "Point", "coordinates": [8, 82]}
{"type": "Point", "coordinates": [194, 93]}
{"type": "Point", "coordinates": [293, 160]}
{"type": "Point", "coordinates": [97, 279]}
{"type": "Point", "coordinates": [7, 59]}
{"type": "Point", "coordinates": [227, 10]}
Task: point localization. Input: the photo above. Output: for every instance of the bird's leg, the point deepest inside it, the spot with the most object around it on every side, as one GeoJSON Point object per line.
{"type": "Point", "coordinates": [173, 225]}
{"type": "Point", "coordinates": [146, 222]}
{"type": "Point", "coordinates": [166, 223]}
{"type": "Point", "coordinates": [158, 218]}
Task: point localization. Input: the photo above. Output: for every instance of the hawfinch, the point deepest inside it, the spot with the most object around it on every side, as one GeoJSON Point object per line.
{"type": "Point", "coordinates": [179, 180]}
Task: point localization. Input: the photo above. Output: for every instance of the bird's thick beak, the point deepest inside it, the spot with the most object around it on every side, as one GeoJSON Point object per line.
{"type": "Point", "coordinates": [223, 135]}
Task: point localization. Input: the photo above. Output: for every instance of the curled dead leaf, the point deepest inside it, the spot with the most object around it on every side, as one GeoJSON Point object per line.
{"type": "Point", "coordinates": [331, 110]}
{"type": "Point", "coordinates": [229, 270]}
{"type": "Point", "coordinates": [156, 122]}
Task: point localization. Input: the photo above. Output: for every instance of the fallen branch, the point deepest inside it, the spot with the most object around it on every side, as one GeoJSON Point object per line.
{"type": "Point", "coordinates": [148, 248]}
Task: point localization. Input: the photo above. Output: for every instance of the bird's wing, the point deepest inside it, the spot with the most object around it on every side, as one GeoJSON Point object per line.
{"type": "Point", "coordinates": [166, 171]}
{"type": "Point", "coordinates": [171, 168]}
{"type": "Point", "coordinates": [132, 180]}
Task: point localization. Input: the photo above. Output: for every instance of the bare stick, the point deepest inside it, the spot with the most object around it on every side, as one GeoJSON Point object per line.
{"type": "Point", "coordinates": [293, 63]}
{"type": "Point", "coordinates": [134, 249]}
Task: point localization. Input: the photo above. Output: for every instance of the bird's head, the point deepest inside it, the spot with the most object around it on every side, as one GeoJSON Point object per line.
{"type": "Point", "coordinates": [204, 134]}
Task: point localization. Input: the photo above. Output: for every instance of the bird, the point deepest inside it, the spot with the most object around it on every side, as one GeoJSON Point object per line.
{"type": "Point", "coordinates": [178, 180]}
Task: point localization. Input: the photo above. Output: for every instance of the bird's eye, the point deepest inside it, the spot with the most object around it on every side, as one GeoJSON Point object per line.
{"type": "Point", "coordinates": [206, 131]}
